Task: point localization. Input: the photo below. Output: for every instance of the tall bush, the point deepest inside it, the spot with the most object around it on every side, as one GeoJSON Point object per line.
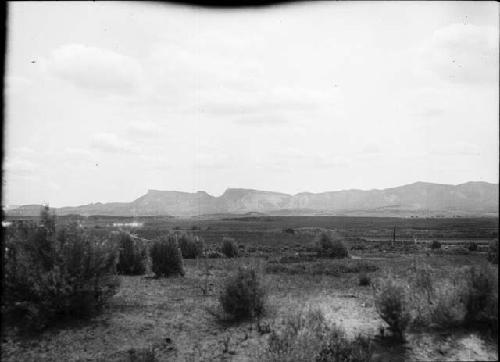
{"type": "Point", "coordinates": [493, 252]}
{"type": "Point", "coordinates": [481, 295]}
{"type": "Point", "coordinates": [132, 257]}
{"type": "Point", "coordinates": [166, 257]}
{"type": "Point", "coordinates": [191, 246]}
{"type": "Point", "coordinates": [330, 245]}
{"type": "Point", "coordinates": [229, 247]}
{"type": "Point", "coordinates": [48, 278]}
{"type": "Point", "coordinates": [392, 306]}
{"type": "Point", "coordinates": [243, 295]}
{"type": "Point", "coordinates": [435, 244]}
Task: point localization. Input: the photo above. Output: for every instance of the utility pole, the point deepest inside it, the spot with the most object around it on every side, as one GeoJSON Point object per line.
{"type": "Point", "coordinates": [394, 235]}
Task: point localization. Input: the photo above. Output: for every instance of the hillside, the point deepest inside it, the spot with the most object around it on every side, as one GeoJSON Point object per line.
{"type": "Point", "coordinates": [417, 199]}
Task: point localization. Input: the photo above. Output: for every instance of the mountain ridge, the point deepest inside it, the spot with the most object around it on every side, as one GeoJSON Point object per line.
{"type": "Point", "coordinates": [476, 198]}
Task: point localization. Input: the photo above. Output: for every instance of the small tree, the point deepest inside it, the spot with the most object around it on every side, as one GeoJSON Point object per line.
{"type": "Point", "coordinates": [330, 245]}
{"type": "Point", "coordinates": [243, 295]}
{"type": "Point", "coordinates": [132, 258]}
{"type": "Point", "coordinates": [229, 247]}
{"type": "Point", "coordinates": [166, 257]}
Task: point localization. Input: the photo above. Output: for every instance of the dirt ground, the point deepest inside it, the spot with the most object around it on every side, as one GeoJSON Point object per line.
{"type": "Point", "coordinates": [173, 319]}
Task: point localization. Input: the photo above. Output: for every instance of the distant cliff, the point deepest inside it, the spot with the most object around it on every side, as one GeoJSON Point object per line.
{"type": "Point", "coordinates": [419, 199]}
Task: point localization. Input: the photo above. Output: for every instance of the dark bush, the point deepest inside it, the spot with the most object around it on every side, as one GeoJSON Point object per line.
{"type": "Point", "coordinates": [132, 257]}
{"type": "Point", "coordinates": [479, 296]}
{"type": "Point", "coordinates": [446, 310]}
{"type": "Point", "coordinates": [48, 278]}
{"type": "Point", "coordinates": [166, 257]}
{"type": "Point", "coordinates": [472, 246]}
{"type": "Point", "coordinates": [191, 246]}
{"type": "Point", "coordinates": [392, 306]}
{"type": "Point", "coordinates": [493, 252]}
{"type": "Point", "coordinates": [289, 231]}
{"type": "Point", "coordinates": [364, 279]}
{"type": "Point", "coordinates": [330, 245]}
{"type": "Point", "coordinates": [229, 247]}
{"type": "Point", "coordinates": [435, 244]}
{"type": "Point", "coordinates": [243, 295]}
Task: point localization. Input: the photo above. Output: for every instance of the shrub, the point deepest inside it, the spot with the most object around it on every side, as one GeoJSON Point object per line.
{"type": "Point", "coordinates": [364, 279]}
{"type": "Point", "coordinates": [445, 311]}
{"type": "Point", "coordinates": [422, 293]}
{"type": "Point", "coordinates": [229, 247]}
{"type": "Point", "coordinates": [479, 295]}
{"type": "Point", "coordinates": [48, 278]}
{"type": "Point", "coordinates": [493, 252]}
{"type": "Point", "coordinates": [435, 244]}
{"type": "Point", "coordinates": [472, 246]}
{"type": "Point", "coordinates": [330, 245]}
{"type": "Point", "coordinates": [306, 336]}
{"type": "Point", "coordinates": [289, 231]}
{"type": "Point", "coordinates": [132, 257]}
{"type": "Point", "coordinates": [392, 306]}
{"type": "Point", "coordinates": [243, 295]}
{"type": "Point", "coordinates": [191, 247]}
{"type": "Point", "coordinates": [166, 258]}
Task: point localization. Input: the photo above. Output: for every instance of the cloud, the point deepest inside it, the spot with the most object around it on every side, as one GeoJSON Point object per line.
{"type": "Point", "coordinates": [143, 129]}
{"type": "Point", "coordinates": [212, 160]}
{"type": "Point", "coordinates": [455, 149]}
{"type": "Point", "coordinates": [110, 142]}
{"type": "Point", "coordinates": [96, 69]}
{"type": "Point", "coordinates": [277, 105]}
{"type": "Point", "coordinates": [430, 112]}
{"type": "Point", "coordinates": [20, 167]}
{"type": "Point", "coordinates": [460, 53]}
{"type": "Point", "coordinates": [371, 149]}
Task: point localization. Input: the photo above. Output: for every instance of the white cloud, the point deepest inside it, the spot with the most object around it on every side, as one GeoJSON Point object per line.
{"type": "Point", "coordinates": [143, 129]}
{"type": "Point", "coordinates": [455, 149]}
{"type": "Point", "coordinates": [20, 167]}
{"type": "Point", "coordinates": [96, 69]}
{"type": "Point", "coordinates": [371, 148]}
{"type": "Point", "coordinates": [110, 142]}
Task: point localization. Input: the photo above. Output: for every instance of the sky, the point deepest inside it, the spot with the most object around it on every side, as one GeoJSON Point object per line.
{"type": "Point", "coordinates": [105, 100]}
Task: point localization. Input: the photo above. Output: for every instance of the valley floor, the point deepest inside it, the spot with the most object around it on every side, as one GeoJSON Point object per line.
{"type": "Point", "coordinates": [173, 319]}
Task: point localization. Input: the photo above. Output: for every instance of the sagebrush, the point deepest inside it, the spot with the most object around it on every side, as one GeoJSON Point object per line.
{"type": "Point", "coordinates": [49, 275]}
{"type": "Point", "coordinates": [166, 257]}
{"type": "Point", "coordinates": [191, 246]}
{"type": "Point", "coordinates": [132, 255]}
{"type": "Point", "coordinates": [243, 295]}
{"type": "Point", "coordinates": [229, 247]}
{"type": "Point", "coordinates": [330, 245]}
{"type": "Point", "coordinates": [392, 306]}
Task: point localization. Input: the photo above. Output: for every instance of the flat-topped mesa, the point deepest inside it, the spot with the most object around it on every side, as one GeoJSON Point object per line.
{"type": "Point", "coordinates": [475, 198]}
